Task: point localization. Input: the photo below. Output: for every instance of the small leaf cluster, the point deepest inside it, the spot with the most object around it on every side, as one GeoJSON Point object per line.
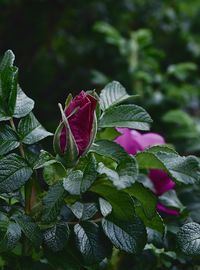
{"type": "Point", "coordinates": [81, 213]}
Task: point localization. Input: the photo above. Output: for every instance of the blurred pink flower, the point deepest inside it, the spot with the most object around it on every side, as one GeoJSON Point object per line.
{"type": "Point", "coordinates": [133, 141]}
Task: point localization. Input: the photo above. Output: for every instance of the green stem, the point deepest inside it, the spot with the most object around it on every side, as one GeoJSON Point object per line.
{"type": "Point", "coordinates": [27, 193]}
{"type": "Point", "coordinates": [21, 149]}
{"type": "Point", "coordinates": [27, 186]}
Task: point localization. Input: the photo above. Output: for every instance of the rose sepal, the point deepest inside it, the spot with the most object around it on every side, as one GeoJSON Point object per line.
{"type": "Point", "coordinates": [71, 153]}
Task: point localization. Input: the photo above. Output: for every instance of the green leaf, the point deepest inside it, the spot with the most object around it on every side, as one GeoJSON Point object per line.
{"type": "Point", "coordinates": [72, 183]}
{"type": "Point", "coordinates": [190, 196]}
{"type": "Point", "coordinates": [189, 239]}
{"type": "Point", "coordinates": [89, 174]}
{"type": "Point", "coordinates": [182, 70]}
{"type": "Point", "coordinates": [90, 242]}
{"type": "Point", "coordinates": [30, 130]}
{"type": "Point", "coordinates": [30, 229]}
{"type": "Point", "coordinates": [53, 201]}
{"type": "Point", "coordinates": [10, 233]}
{"type": "Point", "coordinates": [170, 199]}
{"type": "Point", "coordinates": [112, 94]}
{"type": "Point", "coordinates": [147, 199]}
{"type": "Point", "coordinates": [121, 202]}
{"type": "Point", "coordinates": [56, 237]}
{"type": "Point", "coordinates": [3, 115]}
{"type": "Point", "coordinates": [14, 172]}
{"type": "Point", "coordinates": [156, 222]}
{"type": "Point", "coordinates": [105, 207]}
{"type": "Point", "coordinates": [130, 116]}
{"type": "Point", "coordinates": [8, 86]}
{"type": "Point", "coordinates": [62, 260]}
{"type": "Point", "coordinates": [24, 105]}
{"type": "Point", "coordinates": [84, 211]}
{"type": "Point", "coordinates": [44, 159]}
{"type": "Point", "coordinates": [78, 181]}
{"type": "Point", "coordinates": [8, 60]}
{"type": "Point", "coordinates": [181, 169]}
{"type": "Point", "coordinates": [8, 140]}
{"type": "Point", "coordinates": [125, 174]}
{"type": "Point", "coordinates": [127, 235]}
{"type": "Point", "coordinates": [108, 134]}
{"type": "Point", "coordinates": [8, 91]}
{"type": "Point", "coordinates": [54, 172]}
{"type": "Point", "coordinates": [110, 150]}
{"type": "Point", "coordinates": [53, 169]}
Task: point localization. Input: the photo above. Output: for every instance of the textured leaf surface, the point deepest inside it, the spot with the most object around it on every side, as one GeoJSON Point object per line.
{"type": "Point", "coordinates": [79, 181]}
{"type": "Point", "coordinates": [56, 237]}
{"type": "Point", "coordinates": [105, 207]}
{"type": "Point", "coordinates": [72, 183]}
{"type": "Point", "coordinates": [54, 172]}
{"type": "Point", "coordinates": [125, 174]}
{"type": "Point", "coordinates": [53, 202]}
{"type": "Point", "coordinates": [45, 159]}
{"type": "Point", "coordinates": [8, 90]}
{"type": "Point", "coordinates": [14, 172]}
{"type": "Point", "coordinates": [130, 116]}
{"type": "Point", "coordinates": [8, 140]}
{"type": "Point", "coordinates": [112, 94]}
{"type": "Point", "coordinates": [10, 234]}
{"type": "Point", "coordinates": [30, 130]}
{"type": "Point", "coordinates": [24, 105]}
{"type": "Point", "coordinates": [145, 197]}
{"type": "Point", "coordinates": [129, 235]}
{"type": "Point", "coordinates": [90, 242]}
{"type": "Point", "coordinates": [84, 211]}
{"type": "Point", "coordinates": [109, 149]}
{"type": "Point", "coordinates": [8, 86]}
{"type": "Point", "coordinates": [156, 222]}
{"type": "Point", "coordinates": [89, 174]}
{"type": "Point", "coordinates": [181, 169]}
{"type": "Point", "coordinates": [121, 202]}
{"type": "Point", "coordinates": [171, 200]}
{"type": "Point", "coordinates": [7, 60]}
{"type": "Point", "coordinates": [30, 229]}
{"type": "Point", "coordinates": [189, 238]}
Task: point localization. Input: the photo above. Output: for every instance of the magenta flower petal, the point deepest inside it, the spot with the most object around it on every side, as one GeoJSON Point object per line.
{"type": "Point", "coordinates": [80, 122]}
{"type": "Point", "coordinates": [129, 140]}
{"type": "Point", "coordinates": [133, 141]}
{"type": "Point", "coordinates": [150, 139]}
{"type": "Point", "coordinates": [168, 211]}
{"type": "Point", "coordinates": [161, 181]}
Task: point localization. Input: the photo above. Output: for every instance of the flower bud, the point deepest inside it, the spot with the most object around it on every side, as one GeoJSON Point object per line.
{"type": "Point", "coordinates": [77, 130]}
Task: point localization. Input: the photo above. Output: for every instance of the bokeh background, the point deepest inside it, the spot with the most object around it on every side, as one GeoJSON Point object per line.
{"type": "Point", "coordinates": [151, 46]}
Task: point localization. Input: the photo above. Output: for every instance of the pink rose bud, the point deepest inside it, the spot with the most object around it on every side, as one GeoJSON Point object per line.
{"type": "Point", "coordinates": [77, 130]}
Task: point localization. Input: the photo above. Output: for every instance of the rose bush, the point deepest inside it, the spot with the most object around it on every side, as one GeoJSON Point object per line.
{"type": "Point", "coordinates": [86, 204]}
